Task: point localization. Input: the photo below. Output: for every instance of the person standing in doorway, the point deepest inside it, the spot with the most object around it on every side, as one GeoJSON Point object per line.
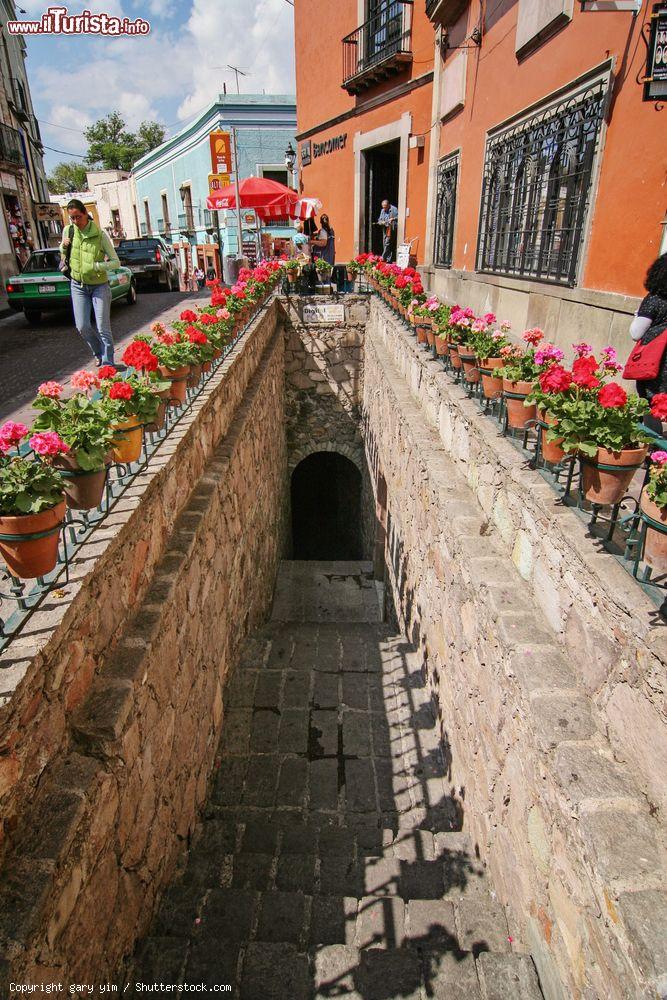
{"type": "Point", "coordinates": [91, 256]}
{"type": "Point", "coordinates": [650, 322]}
{"type": "Point", "coordinates": [388, 220]}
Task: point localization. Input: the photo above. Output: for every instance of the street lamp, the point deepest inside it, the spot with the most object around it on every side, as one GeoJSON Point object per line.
{"type": "Point", "coordinates": [290, 161]}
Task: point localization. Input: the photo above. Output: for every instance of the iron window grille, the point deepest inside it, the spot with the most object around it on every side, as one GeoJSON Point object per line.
{"type": "Point", "coordinates": [445, 210]}
{"type": "Point", "coordinates": [536, 190]}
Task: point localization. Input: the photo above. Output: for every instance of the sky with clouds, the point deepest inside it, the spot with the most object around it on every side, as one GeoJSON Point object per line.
{"type": "Point", "coordinates": [169, 75]}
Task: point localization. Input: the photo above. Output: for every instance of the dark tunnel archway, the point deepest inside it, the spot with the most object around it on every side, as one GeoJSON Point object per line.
{"type": "Point", "coordinates": [326, 508]}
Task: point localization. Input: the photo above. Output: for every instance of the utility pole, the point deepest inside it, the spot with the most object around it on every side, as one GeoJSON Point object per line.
{"type": "Point", "coordinates": [237, 71]}
{"type": "Point", "coordinates": [236, 193]}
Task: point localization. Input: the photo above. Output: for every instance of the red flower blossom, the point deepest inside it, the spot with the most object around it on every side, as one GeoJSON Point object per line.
{"type": "Point", "coordinates": [533, 336]}
{"type": "Point", "coordinates": [659, 406]}
{"type": "Point", "coordinates": [401, 282]}
{"type": "Point", "coordinates": [106, 371]}
{"type": "Point", "coordinates": [555, 379]}
{"type": "Point", "coordinates": [196, 336]}
{"type": "Point", "coordinates": [583, 373]}
{"type": "Point", "coordinates": [168, 339]}
{"type": "Point", "coordinates": [139, 355]}
{"type": "Point", "coordinates": [188, 316]}
{"type": "Point", "coordinates": [207, 318]}
{"type": "Point", "coordinates": [121, 390]}
{"type": "Point", "coordinates": [612, 396]}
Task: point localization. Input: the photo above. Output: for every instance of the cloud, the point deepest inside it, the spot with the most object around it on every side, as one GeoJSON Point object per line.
{"type": "Point", "coordinates": [256, 37]}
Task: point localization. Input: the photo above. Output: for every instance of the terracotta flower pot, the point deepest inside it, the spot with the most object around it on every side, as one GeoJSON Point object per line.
{"type": "Point", "coordinates": [421, 334]}
{"type": "Point", "coordinates": [492, 386]}
{"type": "Point", "coordinates": [194, 376]}
{"type": "Point", "coordinates": [518, 415]}
{"type": "Point", "coordinates": [127, 446]}
{"type": "Point", "coordinates": [206, 367]}
{"type": "Point", "coordinates": [471, 372]}
{"type": "Point", "coordinates": [30, 557]}
{"type": "Point", "coordinates": [454, 356]}
{"type": "Point", "coordinates": [291, 277]}
{"type": "Point", "coordinates": [430, 337]}
{"type": "Point", "coordinates": [83, 490]}
{"type": "Point", "coordinates": [441, 346]}
{"type": "Point", "coordinates": [179, 383]}
{"type": "Point", "coordinates": [655, 546]}
{"type": "Point", "coordinates": [608, 485]}
{"type": "Point", "coordinates": [551, 450]}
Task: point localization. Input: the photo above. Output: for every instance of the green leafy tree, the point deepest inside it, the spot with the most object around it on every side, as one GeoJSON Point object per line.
{"type": "Point", "coordinates": [112, 147]}
{"type": "Point", "coordinates": [67, 177]}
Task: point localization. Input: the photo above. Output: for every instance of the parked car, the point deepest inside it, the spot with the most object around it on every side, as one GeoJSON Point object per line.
{"type": "Point", "coordinates": [40, 286]}
{"type": "Point", "coordinates": [150, 259]}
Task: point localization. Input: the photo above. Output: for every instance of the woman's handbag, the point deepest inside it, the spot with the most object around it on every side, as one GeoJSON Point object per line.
{"type": "Point", "coordinates": [64, 267]}
{"type": "Point", "coordinates": [645, 360]}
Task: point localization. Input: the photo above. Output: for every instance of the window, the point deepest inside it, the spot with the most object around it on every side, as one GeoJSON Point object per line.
{"type": "Point", "coordinates": [186, 192]}
{"type": "Point", "coordinates": [147, 216]}
{"type": "Point", "coordinates": [536, 190]}
{"type": "Point", "coordinates": [165, 212]}
{"type": "Point", "coordinates": [276, 174]}
{"type": "Point", "coordinates": [445, 211]}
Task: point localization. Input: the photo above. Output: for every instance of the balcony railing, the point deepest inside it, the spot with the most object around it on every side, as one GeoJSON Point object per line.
{"type": "Point", "coordinates": [164, 227]}
{"type": "Point", "coordinates": [379, 47]}
{"type": "Point", "coordinates": [10, 145]}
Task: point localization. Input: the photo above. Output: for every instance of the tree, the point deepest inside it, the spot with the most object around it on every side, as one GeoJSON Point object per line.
{"type": "Point", "coordinates": [112, 147]}
{"type": "Point", "coordinates": [67, 177]}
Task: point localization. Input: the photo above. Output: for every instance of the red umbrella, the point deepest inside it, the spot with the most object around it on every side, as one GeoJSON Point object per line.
{"type": "Point", "coordinates": [254, 192]}
{"type": "Point", "coordinates": [294, 208]}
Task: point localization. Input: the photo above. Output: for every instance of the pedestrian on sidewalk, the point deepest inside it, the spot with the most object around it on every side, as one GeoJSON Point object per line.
{"type": "Point", "coordinates": [650, 322]}
{"type": "Point", "coordinates": [324, 244]}
{"type": "Point", "coordinates": [88, 253]}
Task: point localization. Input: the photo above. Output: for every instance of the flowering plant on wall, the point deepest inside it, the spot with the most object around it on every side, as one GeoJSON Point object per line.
{"type": "Point", "coordinates": [84, 421]}
{"type": "Point", "coordinates": [524, 367]}
{"type": "Point", "coordinates": [28, 486]}
{"type": "Point", "coordinates": [135, 395]}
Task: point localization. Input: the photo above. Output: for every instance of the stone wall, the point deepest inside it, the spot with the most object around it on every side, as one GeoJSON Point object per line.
{"type": "Point", "coordinates": [110, 730]}
{"type": "Point", "coordinates": [324, 375]}
{"type": "Point", "coordinates": [567, 315]}
{"type": "Point", "coordinates": [543, 658]}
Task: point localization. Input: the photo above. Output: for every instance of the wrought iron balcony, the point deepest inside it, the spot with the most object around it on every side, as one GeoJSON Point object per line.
{"type": "Point", "coordinates": [163, 227]}
{"type": "Point", "coordinates": [380, 47]}
{"type": "Point", "coordinates": [10, 145]}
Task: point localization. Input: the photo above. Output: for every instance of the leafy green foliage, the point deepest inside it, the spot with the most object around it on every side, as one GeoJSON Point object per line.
{"type": "Point", "coordinates": [67, 178]}
{"type": "Point", "coordinates": [112, 147]}
{"type": "Point", "coordinates": [86, 425]}
{"type": "Point", "coordinates": [28, 486]}
{"type": "Point", "coordinates": [585, 426]}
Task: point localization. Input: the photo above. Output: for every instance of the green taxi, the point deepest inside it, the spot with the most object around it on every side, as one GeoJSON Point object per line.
{"type": "Point", "coordinates": [41, 286]}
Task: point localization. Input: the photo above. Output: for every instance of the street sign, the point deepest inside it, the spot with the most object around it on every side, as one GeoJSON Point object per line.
{"type": "Point", "coordinates": [216, 182]}
{"type": "Point", "coordinates": [48, 212]}
{"type": "Point", "coordinates": [328, 312]}
{"type": "Point", "coordinates": [655, 81]}
{"type": "Point", "coordinates": [221, 152]}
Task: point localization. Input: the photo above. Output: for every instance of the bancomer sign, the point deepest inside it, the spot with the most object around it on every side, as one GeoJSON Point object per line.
{"type": "Point", "coordinates": [316, 149]}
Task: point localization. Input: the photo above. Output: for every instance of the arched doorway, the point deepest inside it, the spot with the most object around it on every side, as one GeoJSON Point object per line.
{"type": "Point", "coordinates": [326, 508]}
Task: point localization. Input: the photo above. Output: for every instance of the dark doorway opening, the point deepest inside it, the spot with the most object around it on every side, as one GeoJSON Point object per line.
{"type": "Point", "coordinates": [382, 169]}
{"type": "Point", "coordinates": [326, 508]}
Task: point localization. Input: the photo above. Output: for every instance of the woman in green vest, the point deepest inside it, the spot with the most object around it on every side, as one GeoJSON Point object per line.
{"type": "Point", "coordinates": [91, 256]}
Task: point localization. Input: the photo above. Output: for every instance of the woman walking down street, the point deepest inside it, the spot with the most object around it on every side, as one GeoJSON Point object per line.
{"type": "Point", "coordinates": [324, 244]}
{"type": "Point", "coordinates": [89, 253]}
{"type": "Point", "coordinates": [650, 323]}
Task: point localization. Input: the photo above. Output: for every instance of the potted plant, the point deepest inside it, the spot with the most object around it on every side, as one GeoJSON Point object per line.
{"type": "Point", "coordinates": [84, 422]}
{"type": "Point", "coordinates": [138, 400]}
{"type": "Point", "coordinates": [202, 353]}
{"type": "Point", "coordinates": [32, 502]}
{"type": "Point", "coordinates": [139, 356]}
{"type": "Point", "coordinates": [553, 384]}
{"type": "Point", "coordinates": [174, 359]}
{"type": "Point", "coordinates": [519, 374]}
{"type": "Point", "coordinates": [601, 422]}
{"type": "Point", "coordinates": [323, 269]}
{"type": "Point", "coordinates": [291, 269]}
{"type": "Point", "coordinates": [468, 351]}
{"type": "Point", "coordinates": [653, 505]}
{"type": "Point", "coordinates": [488, 345]}
{"type": "Point", "coordinates": [352, 269]}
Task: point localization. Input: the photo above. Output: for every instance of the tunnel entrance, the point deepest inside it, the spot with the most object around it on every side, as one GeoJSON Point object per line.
{"type": "Point", "coordinates": [326, 508]}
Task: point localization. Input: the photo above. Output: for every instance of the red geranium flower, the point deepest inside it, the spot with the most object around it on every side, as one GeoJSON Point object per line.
{"type": "Point", "coordinates": [583, 373]}
{"type": "Point", "coordinates": [139, 355]}
{"type": "Point", "coordinates": [106, 371]}
{"type": "Point", "coordinates": [659, 406]}
{"type": "Point", "coordinates": [121, 390]}
{"type": "Point", "coordinates": [612, 396]}
{"type": "Point", "coordinates": [188, 316]}
{"type": "Point", "coordinates": [196, 336]}
{"type": "Point", "coordinates": [207, 318]}
{"type": "Point", "coordinates": [555, 379]}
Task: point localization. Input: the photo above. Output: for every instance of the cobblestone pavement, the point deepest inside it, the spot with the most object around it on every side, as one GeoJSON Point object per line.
{"type": "Point", "coordinates": [330, 862]}
{"type": "Point", "coordinates": [53, 350]}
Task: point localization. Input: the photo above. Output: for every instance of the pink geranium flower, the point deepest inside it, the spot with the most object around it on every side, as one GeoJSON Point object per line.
{"type": "Point", "coordinates": [84, 381]}
{"type": "Point", "coordinates": [223, 314]}
{"type": "Point", "coordinates": [659, 457]}
{"type": "Point", "coordinates": [13, 432]}
{"type": "Point", "coordinates": [48, 443]}
{"type": "Point", "coordinates": [51, 389]}
{"type": "Point", "coordinates": [534, 336]}
{"type": "Point", "coordinates": [582, 349]}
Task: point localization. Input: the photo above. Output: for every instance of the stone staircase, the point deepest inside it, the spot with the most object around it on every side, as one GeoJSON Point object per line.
{"type": "Point", "coordinates": [331, 861]}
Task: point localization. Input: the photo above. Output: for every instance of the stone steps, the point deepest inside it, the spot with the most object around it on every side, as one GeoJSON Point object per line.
{"type": "Point", "coordinates": [331, 860]}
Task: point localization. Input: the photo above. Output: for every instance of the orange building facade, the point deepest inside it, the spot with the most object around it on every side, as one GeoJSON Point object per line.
{"type": "Point", "coordinates": [363, 115]}
{"type": "Point", "coordinates": [532, 173]}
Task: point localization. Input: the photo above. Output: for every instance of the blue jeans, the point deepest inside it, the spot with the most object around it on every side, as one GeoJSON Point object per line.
{"type": "Point", "coordinates": [97, 298]}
